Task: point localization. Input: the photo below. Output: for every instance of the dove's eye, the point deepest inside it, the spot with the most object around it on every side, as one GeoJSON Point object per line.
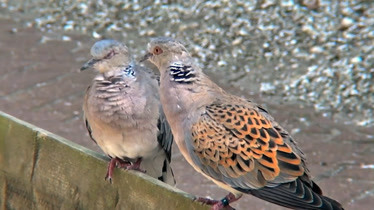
{"type": "Point", "coordinates": [157, 50]}
{"type": "Point", "coordinates": [110, 55]}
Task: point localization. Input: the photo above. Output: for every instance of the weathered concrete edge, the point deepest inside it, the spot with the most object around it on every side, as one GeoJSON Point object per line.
{"type": "Point", "coordinates": [41, 133]}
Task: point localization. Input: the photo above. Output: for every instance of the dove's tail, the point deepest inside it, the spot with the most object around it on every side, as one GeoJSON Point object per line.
{"type": "Point", "coordinates": [296, 195]}
{"type": "Point", "coordinates": [159, 168]}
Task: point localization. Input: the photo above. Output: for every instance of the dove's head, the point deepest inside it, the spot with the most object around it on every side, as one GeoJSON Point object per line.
{"type": "Point", "coordinates": [163, 50]}
{"type": "Point", "coordinates": [108, 55]}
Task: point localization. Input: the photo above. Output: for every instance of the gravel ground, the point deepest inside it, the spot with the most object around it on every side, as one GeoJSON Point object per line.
{"type": "Point", "coordinates": [316, 52]}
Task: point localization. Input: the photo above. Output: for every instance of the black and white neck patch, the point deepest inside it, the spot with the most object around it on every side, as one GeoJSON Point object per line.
{"type": "Point", "coordinates": [181, 73]}
{"type": "Point", "coordinates": [129, 71]}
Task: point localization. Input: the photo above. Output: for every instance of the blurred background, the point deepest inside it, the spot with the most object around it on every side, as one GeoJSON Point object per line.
{"type": "Point", "coordinates": [309, 62]}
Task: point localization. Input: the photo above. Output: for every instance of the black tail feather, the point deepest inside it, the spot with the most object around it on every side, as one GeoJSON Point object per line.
{"type": "Point", "coordinates": [296, 195]}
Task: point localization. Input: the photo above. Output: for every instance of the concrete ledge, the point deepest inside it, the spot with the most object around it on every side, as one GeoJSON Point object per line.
{"type": "Point", "coordinates": [40, 170]}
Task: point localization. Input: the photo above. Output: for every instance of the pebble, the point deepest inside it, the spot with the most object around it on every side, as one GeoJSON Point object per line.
{"type": "Point", "coordinates": [316, 49]}
{"type": "Point", "coordinates": [222, 63]}
{"type": "Point", "coordinates": [96, 35]}
{"type": "Point", "coordinates": [13, 30]}
{"type": "Point", "coordinates": [66, 38]}
{"type": "Point", "coordinates": [356, 60]}
{"type": "Point", "coordinates": [346, 23]}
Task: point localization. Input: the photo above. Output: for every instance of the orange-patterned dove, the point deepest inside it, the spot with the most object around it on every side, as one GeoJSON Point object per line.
{"type": "Point", "coordinates": [123, 114]}
{"type": "Point", "coordinates": [232, 141]}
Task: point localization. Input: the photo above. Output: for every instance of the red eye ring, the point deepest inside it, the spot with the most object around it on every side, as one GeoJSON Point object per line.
{"type": "Point", "coordinates": [157, 50]}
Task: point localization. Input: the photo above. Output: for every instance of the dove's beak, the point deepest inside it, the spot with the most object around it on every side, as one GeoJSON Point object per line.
{"type": "Point", "coordinates": [89, 64]}
{"type": "Point", "coordinates": [146, 57]}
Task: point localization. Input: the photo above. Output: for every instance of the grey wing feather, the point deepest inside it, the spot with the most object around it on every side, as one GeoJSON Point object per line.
{"type": "Point", "coordinates": [88, 127]}
{"type": "Point", "coordinates": [165, 136]}
{"type": "Point", "coordinates": [89, 130]}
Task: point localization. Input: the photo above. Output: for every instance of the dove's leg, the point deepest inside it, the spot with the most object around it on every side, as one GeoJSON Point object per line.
{"type": "Point", "coordinates": [112, 164]}
{"type": "Point", "coordinates": [109, 172]}
{"type": "Point", "coordinates": [224, 203]}
{"type": "Point", "coordinates": [116, 162]}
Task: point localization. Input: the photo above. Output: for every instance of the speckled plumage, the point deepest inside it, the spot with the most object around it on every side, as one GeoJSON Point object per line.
{"type": "Point", "coordinates": [123, 113]}
{"type": "Point", "coordinates": [232, 141]}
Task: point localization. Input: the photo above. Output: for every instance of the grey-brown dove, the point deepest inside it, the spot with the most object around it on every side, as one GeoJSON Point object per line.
{"type": "Point", "coordinates": [123, 113]}
{"type": "Point", "coordinates": [232, 141]}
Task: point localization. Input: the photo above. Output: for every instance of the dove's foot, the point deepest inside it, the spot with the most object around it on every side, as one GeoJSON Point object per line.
{"type": "Point", "coordinates": [135, 166]}
{"type": "Point", "coordinates": [222, 204]}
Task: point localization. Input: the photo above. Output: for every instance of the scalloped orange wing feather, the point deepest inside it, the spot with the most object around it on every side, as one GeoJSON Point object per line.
{"type": "Point", "coordinates": [238, 141]}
